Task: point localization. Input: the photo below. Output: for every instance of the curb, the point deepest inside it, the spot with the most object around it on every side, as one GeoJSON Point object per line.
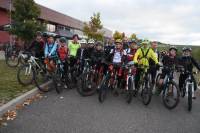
{"type": "Point", "coordinates": [20, 99]}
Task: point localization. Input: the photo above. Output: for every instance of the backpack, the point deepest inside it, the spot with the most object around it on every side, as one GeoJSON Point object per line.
{"type": "Point", "coordinates": [144, 55]}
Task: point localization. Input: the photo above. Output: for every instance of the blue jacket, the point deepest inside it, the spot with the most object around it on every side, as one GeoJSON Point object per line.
{"type": "Point", "coordinates": [50, 50]}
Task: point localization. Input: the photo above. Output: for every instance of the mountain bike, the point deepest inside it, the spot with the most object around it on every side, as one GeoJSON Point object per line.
{"type": "Point", "coordinates": [171, 92]}
{"type": "Point", "coordinates": [188, 87]}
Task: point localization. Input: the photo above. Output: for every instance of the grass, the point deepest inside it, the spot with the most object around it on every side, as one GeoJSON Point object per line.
{"type": "Point", "coordinates": [9, 86]}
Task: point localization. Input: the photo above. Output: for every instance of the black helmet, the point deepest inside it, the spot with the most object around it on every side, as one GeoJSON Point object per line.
{"type": "Point", "coordinates": [62, 40]}
{"type": "Point", "coordinates": [187, 48]}
{"type": "Point", "coordinates": [99, 43]}
{"type": "Point", "coordinates": [173, 47]}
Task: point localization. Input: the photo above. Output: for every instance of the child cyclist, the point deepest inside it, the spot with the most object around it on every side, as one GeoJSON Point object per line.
{"type": "Point", "coordinates": [187, 61]}
{"type": "Point", "coordinates": [50, 53]}
{"type": "Point", "coordinates": [168, 61]}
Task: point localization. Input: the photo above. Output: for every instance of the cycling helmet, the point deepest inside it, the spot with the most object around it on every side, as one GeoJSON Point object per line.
{"type": "Point", "coordinates": [118, 41]}
{"type": "Point", "coordinates": [187, 48]}
{"type": "Point", "coordinates": [145, 41]}
{"type": "Point", "coordinates": [173, 47]}
{"type": "Point", "coordinates": [83, 41]}
{"type": "Point", "coordinates": [133, 41]}
{"type": "Point", "coordinates": [99, 43]}
{"type": "Point", "coordinates": [91, 41]}
{"type": "Point", "coordinates": [62, 40]}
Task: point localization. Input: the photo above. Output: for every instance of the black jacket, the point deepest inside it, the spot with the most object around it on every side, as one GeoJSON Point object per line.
{"type": "Point", "coordinates": [188, 62]}
{"type": "Point", "coordinates": [97, 56]}
{"type": "Point", "coordinates": [84, 55]}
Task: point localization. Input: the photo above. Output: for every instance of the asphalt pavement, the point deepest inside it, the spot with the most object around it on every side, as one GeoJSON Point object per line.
{"type": "Point", "coordinates": [71, 113]}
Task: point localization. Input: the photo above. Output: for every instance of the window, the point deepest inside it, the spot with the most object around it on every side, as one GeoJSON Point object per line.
{"type": "Point", "coordinates": [51, 28]}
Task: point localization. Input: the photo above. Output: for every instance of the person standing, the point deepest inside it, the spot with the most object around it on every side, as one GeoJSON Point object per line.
{"type": "Point", "coordinates": [152, 65]}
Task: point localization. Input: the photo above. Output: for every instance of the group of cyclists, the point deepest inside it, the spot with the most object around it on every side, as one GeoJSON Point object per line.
{"type": "Point", "coordinates": [144, 55]}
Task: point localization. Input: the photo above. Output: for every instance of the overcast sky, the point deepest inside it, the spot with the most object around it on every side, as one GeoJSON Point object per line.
{"type": "Point", "coordinates": [169, 21]}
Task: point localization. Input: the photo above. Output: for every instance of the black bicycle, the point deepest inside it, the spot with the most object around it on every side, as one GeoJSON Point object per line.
{"type": "Point", "coordinates": [145, 84]}
{"type": "Point", "coordinates": [188, 87]}
{"type": "Point", "coordinates": [86, 80]}
{"type": "Point", "coordinates": [171, 92]}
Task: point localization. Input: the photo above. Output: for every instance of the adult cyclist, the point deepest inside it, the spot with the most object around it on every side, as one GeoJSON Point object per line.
{"type": "Point", "coordinates": [142, 56]}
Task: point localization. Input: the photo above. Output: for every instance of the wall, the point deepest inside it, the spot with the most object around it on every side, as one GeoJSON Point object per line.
{"type": "Point", "coordinates": [4, 19]}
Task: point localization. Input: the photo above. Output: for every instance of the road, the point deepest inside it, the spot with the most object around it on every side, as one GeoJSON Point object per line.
{"type": "Point", "coordinates": [76, 114]}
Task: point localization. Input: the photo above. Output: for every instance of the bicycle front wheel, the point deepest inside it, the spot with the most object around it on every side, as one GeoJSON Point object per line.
{"type": "Point", "coordinates": [147, 91]}
{"type": "Point", "coordinates": [129, 92]}
{"type": "Point", "coordinates": [171, 95]}
{"type": "Point", "coordinates": [189, 97]}
{"type": "Point", "coordinates": [86, 87]}
{"type": "Point", "coordinates": [25, 75]}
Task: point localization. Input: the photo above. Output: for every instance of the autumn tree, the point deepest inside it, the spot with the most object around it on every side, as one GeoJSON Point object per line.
{"type": "Point", "coordinates": [117, 35]}
{"type": "Point", "coordinates": [92, 29]}
{"type": "Point", "coordinates": [24, 17]}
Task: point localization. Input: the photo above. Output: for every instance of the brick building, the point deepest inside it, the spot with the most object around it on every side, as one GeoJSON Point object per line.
{"type": "Point", "coordinates": [57, 22]}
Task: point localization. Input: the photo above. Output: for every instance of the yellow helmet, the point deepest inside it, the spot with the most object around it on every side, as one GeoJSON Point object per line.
{"type": "Point", "coordinates": [145, 41]}
{"type": "Point", "coordinates": [118, 41]}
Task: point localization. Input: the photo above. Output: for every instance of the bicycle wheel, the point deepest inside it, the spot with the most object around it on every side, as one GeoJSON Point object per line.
{"type": "Point", "coordinates": [86, 87]}
{"type": "Point", "coordinates": [58, 83]}
{"type": "Point", "coordinates": [189, 97]}
{"type": "Point", "coordinates": [41, 79]}
{"type": "Point", "coordinates": [171, 95]}
{"type": "Point", "coordinates": [103, 90]}
{"type": "Point", "coordinates": [158, 78]}
{"type": "Point", "coordinates": [25, 75]}
{"type": "Point", "coordinates": [129, 92]}
{"type": "Point", "coordinates": [12, 60]}
{"type": "Point", "coordinates": [147, 91]}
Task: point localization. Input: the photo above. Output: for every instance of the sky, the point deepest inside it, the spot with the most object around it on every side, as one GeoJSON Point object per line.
{"type": "Point", "coordinates": [167, 21]}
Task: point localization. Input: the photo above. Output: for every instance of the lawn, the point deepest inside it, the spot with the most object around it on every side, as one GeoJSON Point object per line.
{"type": "Point", "coordinates": [9, 86]}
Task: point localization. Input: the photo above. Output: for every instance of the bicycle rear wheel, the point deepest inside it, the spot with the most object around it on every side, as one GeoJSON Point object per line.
{"type": "Point", "coordinates": [171, 95]}
{"type": "Point", "coordinates": [25, 75]}
{"type": "Point", "coordinates": [12, 60]}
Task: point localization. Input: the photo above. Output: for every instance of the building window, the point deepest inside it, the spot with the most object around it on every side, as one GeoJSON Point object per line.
{"type": "Point", "coordinates": [51, 28]}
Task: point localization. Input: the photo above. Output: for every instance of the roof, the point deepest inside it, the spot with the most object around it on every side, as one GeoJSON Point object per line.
{"type": "Point", "coordinates": [55, 17]}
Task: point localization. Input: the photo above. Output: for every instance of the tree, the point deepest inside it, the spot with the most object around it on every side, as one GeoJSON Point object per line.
{"type": "Point", "coordinates": [117, 35]}
{"type": "Point", "coordinates": [93, 29]}
{"type": "Point", "coordinates": [133, 36]}
{"type": "Point", "coordinates": [24, 17]}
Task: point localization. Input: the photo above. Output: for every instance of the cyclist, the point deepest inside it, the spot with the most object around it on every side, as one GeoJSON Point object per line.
{"type": "Point", "coordinates": [187, 61]}
{"type": "Point", "coordinates": [97, 55]}
{"type": "Point", "coordinates": [63, 53]}
{"type": "Point", "coordinates": [142, 56]}
{"type": "Point", "coordinates": [118, 57]}
{"type": "Point", "coordinates": [153, 68]}
{"type": "Point", "coordinates": [73, 48]}
{"type": "Point", "coordinates": [132, 50]}
{"type": "Point", "coordinates": [37, 46]}
{"type": "Point", "coordinates": [168, 61]}
{"type": "Point", "coordinates": [82, 54]}
{"type": "Point", "coordinates": [90, 47]}
{"type": "Point", "coordinates": [50, 52]}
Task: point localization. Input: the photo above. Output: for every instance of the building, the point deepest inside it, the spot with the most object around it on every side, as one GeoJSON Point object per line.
{"type": "Point", "coordinates": [56, 22]}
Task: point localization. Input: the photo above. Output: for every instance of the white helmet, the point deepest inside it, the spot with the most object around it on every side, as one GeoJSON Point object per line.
{"type": "Point", "coordinates": [91, 41]}
{"type": "Point", "coordinates": [83, 41]}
